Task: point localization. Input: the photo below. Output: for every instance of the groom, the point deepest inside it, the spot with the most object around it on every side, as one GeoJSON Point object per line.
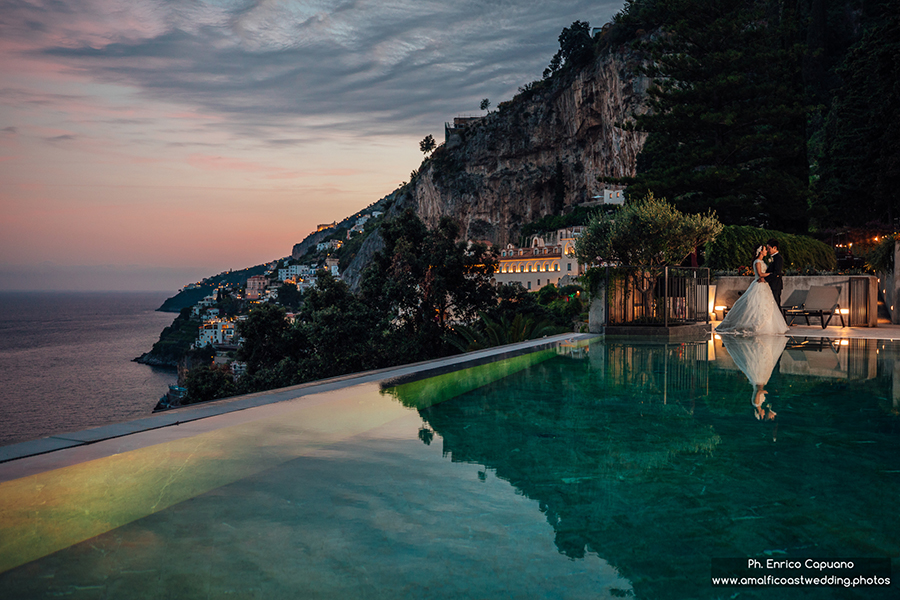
{"type": "Point", "coordinates": [775, 269]}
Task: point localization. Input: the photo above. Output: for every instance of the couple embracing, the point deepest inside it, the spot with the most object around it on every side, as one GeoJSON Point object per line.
{"type": "Point", "coordinates": [758, 310]}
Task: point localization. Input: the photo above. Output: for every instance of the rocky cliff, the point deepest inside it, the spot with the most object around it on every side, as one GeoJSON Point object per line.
{"type": "Point", "coordinates": [539, 154]}
{"type": "Point", "coordinates": [542, 153]}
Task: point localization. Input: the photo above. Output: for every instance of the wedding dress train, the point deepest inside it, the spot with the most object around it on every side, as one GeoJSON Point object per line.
{"type": "Point", "coordinates": [755, 356]}
{"type": "Point", "coordinates": [755, 312]}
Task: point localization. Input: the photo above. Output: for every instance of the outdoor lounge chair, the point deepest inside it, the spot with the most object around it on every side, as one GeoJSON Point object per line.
{"type": "Point", "coordinates": [821, 301]}
{"type": "Point", "coordinates": [794, 302]}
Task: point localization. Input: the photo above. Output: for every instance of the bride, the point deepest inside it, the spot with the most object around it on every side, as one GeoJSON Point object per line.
{"type": "Point", "coordinates": [755, 312]}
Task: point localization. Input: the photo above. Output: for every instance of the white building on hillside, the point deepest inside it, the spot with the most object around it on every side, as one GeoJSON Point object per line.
{"type": "Point", "coordinates": [607, 197]}
{"type": "Point", "coordinates": [202, 305]}
{"type": "Point", "coordinates": [550, 259]}
{"type": "Point", "coordinates": [216, 331]}
{"type": "Point", "coordinates": [294, 271]}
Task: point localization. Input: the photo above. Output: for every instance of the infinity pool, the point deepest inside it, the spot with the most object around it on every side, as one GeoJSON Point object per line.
{"type": "Point", "coordinates": [607, 469]}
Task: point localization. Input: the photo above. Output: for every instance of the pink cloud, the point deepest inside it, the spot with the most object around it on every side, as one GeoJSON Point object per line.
{"type": "Point", "coordinates": [339, 172]}
{"type": "Point", "coordinates": [222, 163]}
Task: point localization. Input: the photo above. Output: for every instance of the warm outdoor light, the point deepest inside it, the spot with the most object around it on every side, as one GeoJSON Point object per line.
{"type": "Point", "coordinates": [845, 311]}
{"type": "Point", "coordinates": [845, 342]}
{"type": "Point", "coordinates": [721, 307]}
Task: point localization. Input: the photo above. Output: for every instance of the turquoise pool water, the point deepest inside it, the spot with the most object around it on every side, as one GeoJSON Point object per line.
{"type": "Point", "coordinates": [615, 469]}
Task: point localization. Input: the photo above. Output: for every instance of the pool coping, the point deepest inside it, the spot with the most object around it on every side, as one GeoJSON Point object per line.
{"type": "Point", "coordinates": [193, 412]}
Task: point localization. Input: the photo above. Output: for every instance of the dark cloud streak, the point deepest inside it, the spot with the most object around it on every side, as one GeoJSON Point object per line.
{"type": "Point", "coordinates": [361, 66]}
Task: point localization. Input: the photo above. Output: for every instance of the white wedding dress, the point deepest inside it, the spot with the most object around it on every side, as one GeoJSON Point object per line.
{"type": "Point", "coordinates": [756, 356]}
{"type": "Point", "coordinates": [755, 312]}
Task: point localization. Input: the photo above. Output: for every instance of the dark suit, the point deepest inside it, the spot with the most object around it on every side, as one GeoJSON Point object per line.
{"type": "Point", "coordinates": [774, 278]}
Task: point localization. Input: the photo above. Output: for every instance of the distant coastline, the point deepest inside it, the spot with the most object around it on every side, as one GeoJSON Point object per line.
{"type": "Point", "coordinates": [191, 295]}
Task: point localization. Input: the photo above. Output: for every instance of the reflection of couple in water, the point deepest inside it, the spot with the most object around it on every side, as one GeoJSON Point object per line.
{"type": "Point", "coordinates": [757, 356]}
{"type": "Point", "coordinates": [763, 409]}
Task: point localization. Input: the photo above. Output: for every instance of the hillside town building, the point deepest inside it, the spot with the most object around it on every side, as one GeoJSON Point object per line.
{"type": "Point", "coordinates": [329, 245]}
{"type": "Point", "coordinates": [256, 286]}
{"type": "Point", "coordinates": [607, 197]}
{"type": "Point", "coordinates": [294, 271]}
{"type": "Point", "coordinates": [216, 332]}
{"type": "Point", "coordinates": [549, 259]}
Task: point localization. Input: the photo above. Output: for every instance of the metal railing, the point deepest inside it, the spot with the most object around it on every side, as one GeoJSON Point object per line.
{"type": "Point", "coordinates": [656, 295]}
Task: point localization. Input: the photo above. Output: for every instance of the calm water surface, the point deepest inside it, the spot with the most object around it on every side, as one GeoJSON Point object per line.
{"type": "Point", "coordinates": [65, 360]}
{"type": "Point", "coordinates": [615, 470]}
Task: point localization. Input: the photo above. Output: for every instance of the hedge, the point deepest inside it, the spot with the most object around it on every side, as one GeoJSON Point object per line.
{"type": "Point", "coordinates": [734, 248]}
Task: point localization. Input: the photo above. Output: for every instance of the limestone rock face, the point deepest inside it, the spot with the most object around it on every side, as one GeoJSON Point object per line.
{"type": "Point", "coordinates": [536, 155]}
{"type": "Point", "coordinates": [539, 154]}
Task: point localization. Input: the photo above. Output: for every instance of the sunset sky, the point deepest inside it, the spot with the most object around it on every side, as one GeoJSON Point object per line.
{"type": "Point", "coordinates": [145, 144]}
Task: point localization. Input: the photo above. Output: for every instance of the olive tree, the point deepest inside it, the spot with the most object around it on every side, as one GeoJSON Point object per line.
{"type": "Point", "coordinates": [648, 232]}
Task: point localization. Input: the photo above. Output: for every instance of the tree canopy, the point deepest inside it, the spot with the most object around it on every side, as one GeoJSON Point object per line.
{"type": "Point", "coordinates": [647, 232]}
{"type": "Point", "coordinates": [428, 144]}
{"type": "Point", "coordinates": [420, 283]}
{"type": "Point", "coordinates": [777, 115]}
{"type": "Point", "coordinates": [576, 48]}
{"type": "Point", "coordinates": [423, 279]}
{"type": "Point", "coordinates": [727, 119]}
{"type": "Point", "coordinates": [860, 165]}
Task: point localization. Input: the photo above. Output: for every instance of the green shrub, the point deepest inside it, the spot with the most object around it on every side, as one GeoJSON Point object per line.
{"type": "Point", "coordinates": [580, 215]}
{"type": "Point", "coordinates": [734, 247]}
{"type": "Point", "coordinates": [881, 258]}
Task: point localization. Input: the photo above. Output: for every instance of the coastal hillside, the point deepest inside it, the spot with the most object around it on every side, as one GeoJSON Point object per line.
{"type": "Point", "coordinates": [542, 153]}
{"type": "Point", "coordinates": [193, 293]}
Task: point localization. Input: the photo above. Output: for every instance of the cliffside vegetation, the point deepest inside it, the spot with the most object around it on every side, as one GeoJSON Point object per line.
{"type": "Point", "coordinates": [857, 157]}
{"type": "Point", "coordinates": [778, 115]}
{"type": "Point", "coordinates": [415, 291]}
{"type": "Point", "coordinates": [174, 341]}
{"type": "Point", "coordinates": [191, 296]}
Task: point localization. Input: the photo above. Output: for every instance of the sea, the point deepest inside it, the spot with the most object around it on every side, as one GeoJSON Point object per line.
{"type": "Point", "coordinates": [66, 360]}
